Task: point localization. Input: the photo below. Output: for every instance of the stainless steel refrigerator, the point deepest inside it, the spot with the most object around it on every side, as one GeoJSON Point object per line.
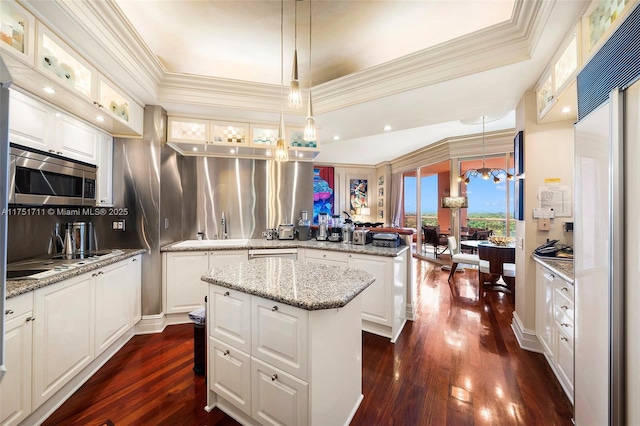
{"type": "Point", "coordinates": [5, 82]}
{"type": "Point", "coordinates": [607, 262]}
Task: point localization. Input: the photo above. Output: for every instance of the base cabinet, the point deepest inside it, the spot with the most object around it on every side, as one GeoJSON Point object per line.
{"type": "Point", "coordinates": [183, 289]}
{"type": "Point", "coordinates": [555, 324]}
{"type": "Point", "coordinates": [384, 301]}
{"type": "Point", "coordinates": [15, 388]}
{"type": "Point", "coordinates": [299, 367]}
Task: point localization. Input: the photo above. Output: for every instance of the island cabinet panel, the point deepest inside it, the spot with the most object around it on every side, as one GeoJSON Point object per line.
{"type": "Point", "coordinates": [280, 334]}
{"type": "Point", "coordinates": [230, 374]}
{"type": "Point", "coordinates": [278, 398]}
{"type": "Point", "coordinates": [63, 341]}
{"type": "Point", "coordinates": [15, 388]}
{"type": "Point", "coordinates": [230, 319]}
{"type": "Point", "coordinates": [377, 299]}
{"type": "Point", "coordinates": [325, 257]}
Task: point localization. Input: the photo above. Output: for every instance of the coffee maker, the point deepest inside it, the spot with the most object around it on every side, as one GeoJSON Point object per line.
{"type": "Point", "coordinates": [335, 229]}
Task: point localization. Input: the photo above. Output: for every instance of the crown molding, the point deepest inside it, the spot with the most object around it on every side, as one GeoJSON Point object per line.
{"type": "Point", "coordinates": [112, 34]}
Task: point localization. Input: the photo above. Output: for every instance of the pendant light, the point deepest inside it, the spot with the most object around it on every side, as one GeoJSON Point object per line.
{"type": "Point", "coordinates": [484, 172]}
{"type": "Point", "coordinates": [309, 134]}
{"type": "Point", "coordinates": [295, 96]}
{"type": "Point", "coordinates": [281, 147]}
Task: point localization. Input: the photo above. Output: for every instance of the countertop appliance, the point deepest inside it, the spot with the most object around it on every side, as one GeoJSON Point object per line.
{"type": "Point", "coordinates": [362, 237]}
{"type": "Point", "coordinates": [386, 239]}
{"type": "Point", "coordinates": [41, 178]}
{"type": "Point", "coordinates": [323, 227]}
{"type": "Point", "coordinates": [286, 232]}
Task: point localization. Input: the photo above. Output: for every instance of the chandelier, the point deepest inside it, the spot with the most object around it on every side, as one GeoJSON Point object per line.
{"type": "Point", "coordinates": [484, 172]}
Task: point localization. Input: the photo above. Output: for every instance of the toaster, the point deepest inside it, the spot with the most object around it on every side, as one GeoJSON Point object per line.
{"type": "Point", "coordinates": [285, 232]}
{"type": "Point", "coordinates": [361, 237]}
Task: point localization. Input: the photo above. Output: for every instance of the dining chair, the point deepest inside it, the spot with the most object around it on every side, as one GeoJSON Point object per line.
{"type": "Point", "coordinates": [433, 238]}
{"type": "Point", "coordinates": [458, 257]}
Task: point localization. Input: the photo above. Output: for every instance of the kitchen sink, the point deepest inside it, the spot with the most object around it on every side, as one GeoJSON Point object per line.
{"type": "Point", "coordinates": [213, 243]}
{"type": "Point", "coordinates": [52, 264]}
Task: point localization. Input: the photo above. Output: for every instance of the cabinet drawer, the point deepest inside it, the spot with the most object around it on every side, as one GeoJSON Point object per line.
{"type": "Point", "coordinates": [565, 326]}
{"type": "Point", "coordinates": [564, 359]}
{"type": "Point", "coordinates": [279, 336]}
{"type": "Point", "coordinates": [563, 307]}
{"type": "Point", "coordinates": [18, 305]}
{"type": "Point", "coordinates": [564, 288]}
{"type": "Point", "coordinates": [278, 398]}
{"type": "Point", "coordinates": [230, 374]}
{"type": "Point", "coordinates": [229, 317]}
{"type": "Point", "coordinates": [325, 256]}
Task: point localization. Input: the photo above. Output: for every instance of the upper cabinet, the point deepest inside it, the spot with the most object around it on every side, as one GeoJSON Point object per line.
{"type": "Point", "coordinates": [17, 32]}
{"type": "Point", "coordinates": [194, 136]}
{"type": "Point", "coordinates": [599, 21]}
{"type": "Point", "coordinates": [44, 64]}
{"type": "Point", "coordinates": [556, 92]}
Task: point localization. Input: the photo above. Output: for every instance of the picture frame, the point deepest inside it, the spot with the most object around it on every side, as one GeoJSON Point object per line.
{"type": "Point", "coordinates": [358, 193]}
{"type": "Point", "coordinates": [518, 212]}
{"type": "Point", "coordinates": [518, 153]}
{"type": "Point", "coordinates": [380, 180]}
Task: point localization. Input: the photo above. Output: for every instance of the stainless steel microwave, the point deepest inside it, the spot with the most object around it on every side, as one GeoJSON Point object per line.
{"type": "Point", "coordinates": [39, 178]}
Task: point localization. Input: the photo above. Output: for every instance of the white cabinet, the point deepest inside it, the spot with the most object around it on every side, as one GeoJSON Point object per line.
{"type": "Point", "coordinates": [230, 374]}
{"type": "Point", "coordinates": [278, 398]}
{"type": "Point", "coordinates": [15, 388]}
{"type": "Point", "coordinates": [63, 341]}
{"type": "Point", "coordinates": [289, 367]}
{"type": "Point", "coordinates": [183, 287]}
{"type": "Point", "coordinates": [104, 186]}
{"type": "Point", "coordinates": [36, 125]}
{"type": "Point", "coordinates": [117, 290]}
{"type": "Point", "coordinates": [555, 324]}
{"type": "Point", "coordinates": [384, 301]}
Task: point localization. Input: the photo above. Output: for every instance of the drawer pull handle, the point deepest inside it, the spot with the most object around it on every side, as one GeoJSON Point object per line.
{"type": "Point", "coordinates": [324, 255]}
{"type": "Point", "coordinates": [565, 307]}
{"type": "Point", "coordinates": [564, 289]}
{"type": "Point", "coordinates": [226, 352]}
{"type": "Point", "coordinates": [134, 260]}
{"type": "Point", "coordinates": [8, 312]}
{"type": "Point", "coordinates": [31, 319]}
{"type": "Point", "coordinates": [274, 377]}
{"type": "Point", "coordinates": [275, 308]}
{"type": "Point", "coordinates": [226, 293]}
{"type": "Point", "coordinates": [564, 338]}
{"type": "Point", "coordinates": [564, 324]}
{"type": "Point", "coordinates": [94, 275]}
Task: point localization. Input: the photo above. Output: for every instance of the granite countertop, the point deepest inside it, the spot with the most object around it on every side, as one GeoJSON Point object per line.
{"type": "Point", "coordinates": [562, 267]}
{"type": "Point", "coordinates": [304, 285]}
{"type": "Point", "coordinates": [17, 287]}
{"type": "Point", "coordinates": [257, 244]}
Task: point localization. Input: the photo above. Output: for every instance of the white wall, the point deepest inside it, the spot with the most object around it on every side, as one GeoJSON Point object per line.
{"type": "Point", "coordinates": [548, 154]}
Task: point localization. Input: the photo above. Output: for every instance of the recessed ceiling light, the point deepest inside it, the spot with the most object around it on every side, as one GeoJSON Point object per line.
{"type": "Point", "coordinates": [566, 110]}
{"type": "Point", "coordinates": [336, 138]}
{"type": "Point", "coordinates": [386, 128]}
{"type": "Point", "coordinates": [99, 118]}
{"type": "Point", "coordinates": [50, 90]}
{"type": "Point", "coordinates": [301, 155]}
{"type": "Point", "coordinates": [195, 148]}
{"type": "Point", "coordinates": [233, 151]}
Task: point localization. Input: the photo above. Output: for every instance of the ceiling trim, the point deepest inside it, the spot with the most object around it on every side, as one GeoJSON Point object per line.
{"type": "Point", "coordinates": [496, 46]}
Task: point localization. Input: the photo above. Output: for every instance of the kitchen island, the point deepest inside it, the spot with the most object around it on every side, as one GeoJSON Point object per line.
{"type": "Point", "coordinates": [285, 342]}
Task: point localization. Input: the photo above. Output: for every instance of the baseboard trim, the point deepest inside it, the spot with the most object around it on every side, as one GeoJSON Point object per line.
{"type": "Point", "coordinates": [527, 339]}
{"type": "Point", "coordinates": [150, 324]}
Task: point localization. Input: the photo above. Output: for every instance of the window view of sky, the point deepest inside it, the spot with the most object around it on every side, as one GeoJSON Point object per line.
{"type": "Point", "coordinates": [484, 195]}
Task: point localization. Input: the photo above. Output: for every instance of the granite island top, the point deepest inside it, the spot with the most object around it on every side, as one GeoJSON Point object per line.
{"type": "Point", "coordinates": [257, 244]}
{"type": "Point", "coordinates": [304, 285]}
{"type": "Point", "coordinates": [562, 267]}
{"type": "Point", "coordinates": [20, 286]}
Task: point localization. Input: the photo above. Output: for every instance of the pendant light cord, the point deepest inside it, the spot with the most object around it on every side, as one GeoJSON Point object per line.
{"type": "Point", "coordinates": [309, 47]}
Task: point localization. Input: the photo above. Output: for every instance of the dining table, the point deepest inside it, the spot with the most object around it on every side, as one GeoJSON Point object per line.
{"type": "Point", "coordinates": [497, 256]}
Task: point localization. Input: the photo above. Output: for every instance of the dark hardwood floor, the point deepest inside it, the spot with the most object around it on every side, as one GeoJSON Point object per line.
{"type": "Point", "coordinates": [458, 363]}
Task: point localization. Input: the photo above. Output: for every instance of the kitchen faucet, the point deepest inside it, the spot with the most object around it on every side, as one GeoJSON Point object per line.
{"type": "Point", "coordinates": [223, 222]}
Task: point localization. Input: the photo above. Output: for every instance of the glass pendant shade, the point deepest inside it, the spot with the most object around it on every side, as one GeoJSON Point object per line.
{"type": "Point", "coordinates": [282, 153]}
{"type": "Point", "coordinates": [295, 95]}
{"type": "Point", "coordinates": [309, 134]}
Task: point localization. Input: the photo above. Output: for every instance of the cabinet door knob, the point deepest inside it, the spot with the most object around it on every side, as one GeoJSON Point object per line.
{"type": "Point", "coordinates": [226, 293]}
{"type": "Point", "coordinates": [94, 275]}
{"type": "Point", "coordinates": [324, 255]}
{"type": "Point", "coordinates": [275, 308]}
{"type": "Point", "coordinates": [225, 353]}
{"type": "Point", "coordinates": [31, 319]}
{"type": "Point", "coordinates": [8, 312]}
{"type": "Point", "coordinates": [274, 377]}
